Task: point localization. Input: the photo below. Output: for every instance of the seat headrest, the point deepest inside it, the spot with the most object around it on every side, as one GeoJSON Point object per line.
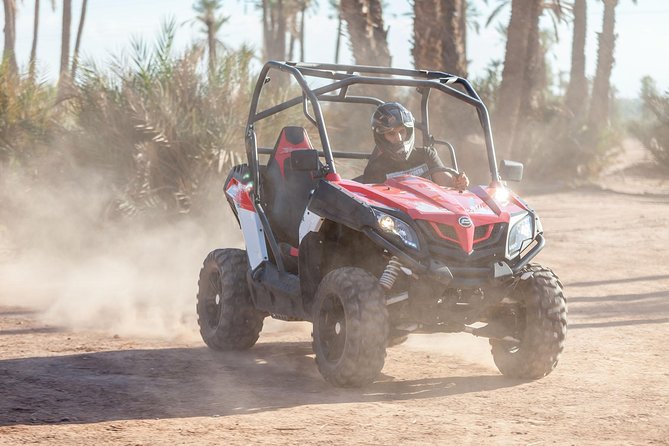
{"type": "Point", "coordinates": [290, 139]}
{"type": "Point", "coordinates": [295, 135]}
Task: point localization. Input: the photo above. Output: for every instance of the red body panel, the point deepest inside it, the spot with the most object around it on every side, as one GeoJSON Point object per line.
{"type": "Point", "coordinates": [239, 194]}
{"type": "Point", "coordinates": [422, 199]}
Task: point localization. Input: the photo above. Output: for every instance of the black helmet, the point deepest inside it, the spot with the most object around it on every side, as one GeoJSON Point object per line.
{"type": "Point", "coordinates": [387, 117]}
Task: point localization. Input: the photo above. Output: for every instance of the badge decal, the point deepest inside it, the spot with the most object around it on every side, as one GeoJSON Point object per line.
{"type": "Point", "coordinates": [465, 221]}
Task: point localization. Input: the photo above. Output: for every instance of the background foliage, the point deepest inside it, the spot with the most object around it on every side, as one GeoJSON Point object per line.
{"type": "Point", "coordinates": [161, 129]}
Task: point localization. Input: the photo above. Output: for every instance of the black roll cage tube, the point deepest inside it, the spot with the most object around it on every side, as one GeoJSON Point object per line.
{"type": "Point", "coordinates": [343, 77]}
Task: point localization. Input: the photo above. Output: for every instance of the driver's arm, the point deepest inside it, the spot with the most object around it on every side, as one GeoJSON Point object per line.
{"type": "Point", "coordinates": [447, 179]}
{"type": "Point", "coordinates": [444, 179]}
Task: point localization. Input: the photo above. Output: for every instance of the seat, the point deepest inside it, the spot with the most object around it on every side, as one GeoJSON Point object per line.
{"type": "Point", "coordinates": [285, 192]}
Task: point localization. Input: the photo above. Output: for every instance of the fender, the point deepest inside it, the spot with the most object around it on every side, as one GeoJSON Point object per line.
{"type": "Point", "coordinates": [332, 202]}
{"type": "Point", "coordinates": [237, 188]}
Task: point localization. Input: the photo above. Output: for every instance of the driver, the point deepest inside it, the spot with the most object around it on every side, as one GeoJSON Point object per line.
{"type": "Point", "coordinates": [395, 154]}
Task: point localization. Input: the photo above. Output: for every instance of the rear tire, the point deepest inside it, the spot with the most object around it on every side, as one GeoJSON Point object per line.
{"type": "Point", "coordinates": [350, 327]}
{"type": "Point", "coordinates": [540, 325]}
{"type": "Point", "coordinates": [226, 315]}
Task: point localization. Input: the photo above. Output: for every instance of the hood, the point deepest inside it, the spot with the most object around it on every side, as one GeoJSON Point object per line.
{"type": "Point", "coordinates": [453, 215]}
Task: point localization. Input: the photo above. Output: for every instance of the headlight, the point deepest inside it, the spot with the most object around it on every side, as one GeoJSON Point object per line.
{"type": "Point", "coordinates": [520, 232]}
{"type": "Point", "coordinates": [396, 228]}
{"type": "Point", "coordinates": [502, 195]}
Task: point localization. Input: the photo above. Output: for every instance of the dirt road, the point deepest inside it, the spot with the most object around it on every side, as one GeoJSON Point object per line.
{"type": "Point", "coordinates": [66, 386]}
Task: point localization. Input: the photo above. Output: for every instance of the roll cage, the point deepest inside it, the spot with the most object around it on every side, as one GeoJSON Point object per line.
{"type": "Point", "coordinates": [342, 77]}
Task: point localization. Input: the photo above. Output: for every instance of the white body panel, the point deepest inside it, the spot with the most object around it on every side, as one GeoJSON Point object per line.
{"type": "Point", "coordinates": [256, 248]}
{"type": "Point", "coordinates": [310, 223]}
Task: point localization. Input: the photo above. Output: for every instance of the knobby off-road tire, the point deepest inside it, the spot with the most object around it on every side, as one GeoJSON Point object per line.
{"type": "Point", "coordinates": [541, 327]}
{"type": "Point", "coordinates": [227, 318]}
{"type": "Point", "coordinates": [350, 327]}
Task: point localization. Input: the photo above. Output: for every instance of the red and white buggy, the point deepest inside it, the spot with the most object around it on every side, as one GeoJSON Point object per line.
{"type": "Point", "coordinates": [368, 264]}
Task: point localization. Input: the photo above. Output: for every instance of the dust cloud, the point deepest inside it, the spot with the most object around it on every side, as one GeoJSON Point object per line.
{"type": "Point", "coordinates": [137, 277]}
{"type": "Point", "coordinates": [466, 347]}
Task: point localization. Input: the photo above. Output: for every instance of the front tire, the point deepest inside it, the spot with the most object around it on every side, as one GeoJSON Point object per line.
{"type": "Point", "coordinates": [350, 327]}
{"type": "Point", "coordinates": [540, 323]}
{"type": "Point", "coordinates": [226, 315]}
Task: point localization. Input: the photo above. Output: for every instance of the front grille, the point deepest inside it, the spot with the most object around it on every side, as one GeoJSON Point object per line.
{"type": "Point", "coordinates": [485, 251]}
{"type": "Point", "coordinates": [480, 232]}
{"type": "Point", "coordinates": [497, 235]}
{"type": "Point", "coordinates": [447, 231]}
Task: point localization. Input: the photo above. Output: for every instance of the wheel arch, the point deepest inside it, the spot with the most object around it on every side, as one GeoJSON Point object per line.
{"type": "Point", "coordinates": [335, 245]}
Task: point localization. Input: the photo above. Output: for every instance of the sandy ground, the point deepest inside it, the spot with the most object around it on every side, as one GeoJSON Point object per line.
{"type": "Point", "coordinates": [609, 243]}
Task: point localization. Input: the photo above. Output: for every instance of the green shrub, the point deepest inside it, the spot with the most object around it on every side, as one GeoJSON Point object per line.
{"type": "Point", "coordinates": [653, 129]}
{"type": "Point", "coordinates": [160, 125]}
{"type": "Point", "coordinates": [29, 118]}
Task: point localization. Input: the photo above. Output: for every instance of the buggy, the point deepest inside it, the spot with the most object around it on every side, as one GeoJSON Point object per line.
{"type": "Point", "coordinates": [369, 264]}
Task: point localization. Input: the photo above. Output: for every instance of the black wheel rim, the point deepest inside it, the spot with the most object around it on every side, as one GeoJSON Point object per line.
{"type": "Point", "coordinates": [518, 319]}
{"type": "Point", "coordinates": [332, 328]}
{"type": "Point", "coordinates": [213, 302]}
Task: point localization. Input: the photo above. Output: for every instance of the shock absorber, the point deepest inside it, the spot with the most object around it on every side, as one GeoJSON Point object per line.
{"type": "Point", "coordinates": [389, 276]}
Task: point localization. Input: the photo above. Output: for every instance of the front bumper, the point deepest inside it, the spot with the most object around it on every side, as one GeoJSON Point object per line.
{"type": "Point", "coordinates": [447, 273]}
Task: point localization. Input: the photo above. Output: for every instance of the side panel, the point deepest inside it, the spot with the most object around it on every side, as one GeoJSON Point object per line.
{"type": "Point", "coordinates": [311, 222]}
{"type": "Point", "coordinates": [237, 187]}
{"type": "Point", "coordinates": [256, 247]}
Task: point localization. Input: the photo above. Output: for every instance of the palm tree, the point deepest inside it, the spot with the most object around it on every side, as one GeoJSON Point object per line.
{"type": "Point", "coordinates": [454, 35]}
{"type": "Point", "coordinates": [274, 29]}
{"type": "Point", "coordinates": [440, 35]}
{"type": "Point", "coordinates": [65, 41]}
{"type": "Point", "coordinates": [9, 52]}
{"type": "Point", "coordinates": [369, 41]}
{"type": "Point", "coordinates": [304, 4]}
{"type": "Point", "coordinates": [427, 44]}
{"type": "Point", "coordinates": [33, 48]}
{"type": "Point", "coordinates": [292, 9]}
{"type": "Point", "coordinates": [207, 14]}
{"type": "Point", "coordinates": [601, 89]}
{"type": "Point", "coordinates": [77, 44]}
{"type": "Point", "coordinates": [335, 5]}
{"type": "Point", "coordinates": [518, 74]}
{"type": "Point", "coordinates": [577, 90]}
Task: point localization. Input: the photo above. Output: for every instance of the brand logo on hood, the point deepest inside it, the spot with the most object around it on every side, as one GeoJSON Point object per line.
{"type": "Point", "coordinates": [465, 221]}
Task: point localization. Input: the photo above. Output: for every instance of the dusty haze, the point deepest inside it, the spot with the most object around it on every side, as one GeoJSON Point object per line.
{"type": "Point", "coordinates": [135, 277]}
{"type": "Point", "coordinates": [156, 383]}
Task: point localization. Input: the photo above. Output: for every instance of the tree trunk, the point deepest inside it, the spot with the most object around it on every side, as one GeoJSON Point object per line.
{"type": "Point", "coordinates": [33, 49]}
{"type": "Point", "coordinates": [463, 33]}
{"type": "Point", "coordinates": [601, 89]}
{"type": "Point", "coordinates": [577, 90]}
{"type": "Point", "coordinates": [454, 59]}
{"type": "Point", "coordinates": [291, 47]}
{"type": "Point", "coordinates": [77, 44]}
{"type": "Point", "coordinates": [427, 41]}
{"type": "Point", "coordinates": [302, 28]}
{"type": "Point", "coordinates": [338, 41]}
{"type": "Point", "coordinates": [211, 41]}
{"type": "Point", "coordinates": [439, 36]}
{"type": "Point", "coordinates": [532, 95]}
{"type": "Point", "coordinates": [369, 41]}
{"type": "Point", "coordinates": [9, 52]}
{"type": "Point", "coordinates": [274, 29]}
{"type": "Point", "coordinates": [517, 72]}
{"type": "Point", "coordinates": [65, 40]}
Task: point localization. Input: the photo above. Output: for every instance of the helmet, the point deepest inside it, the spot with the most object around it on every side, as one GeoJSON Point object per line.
{"type": "Point", "coordinates": [387, 117]}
